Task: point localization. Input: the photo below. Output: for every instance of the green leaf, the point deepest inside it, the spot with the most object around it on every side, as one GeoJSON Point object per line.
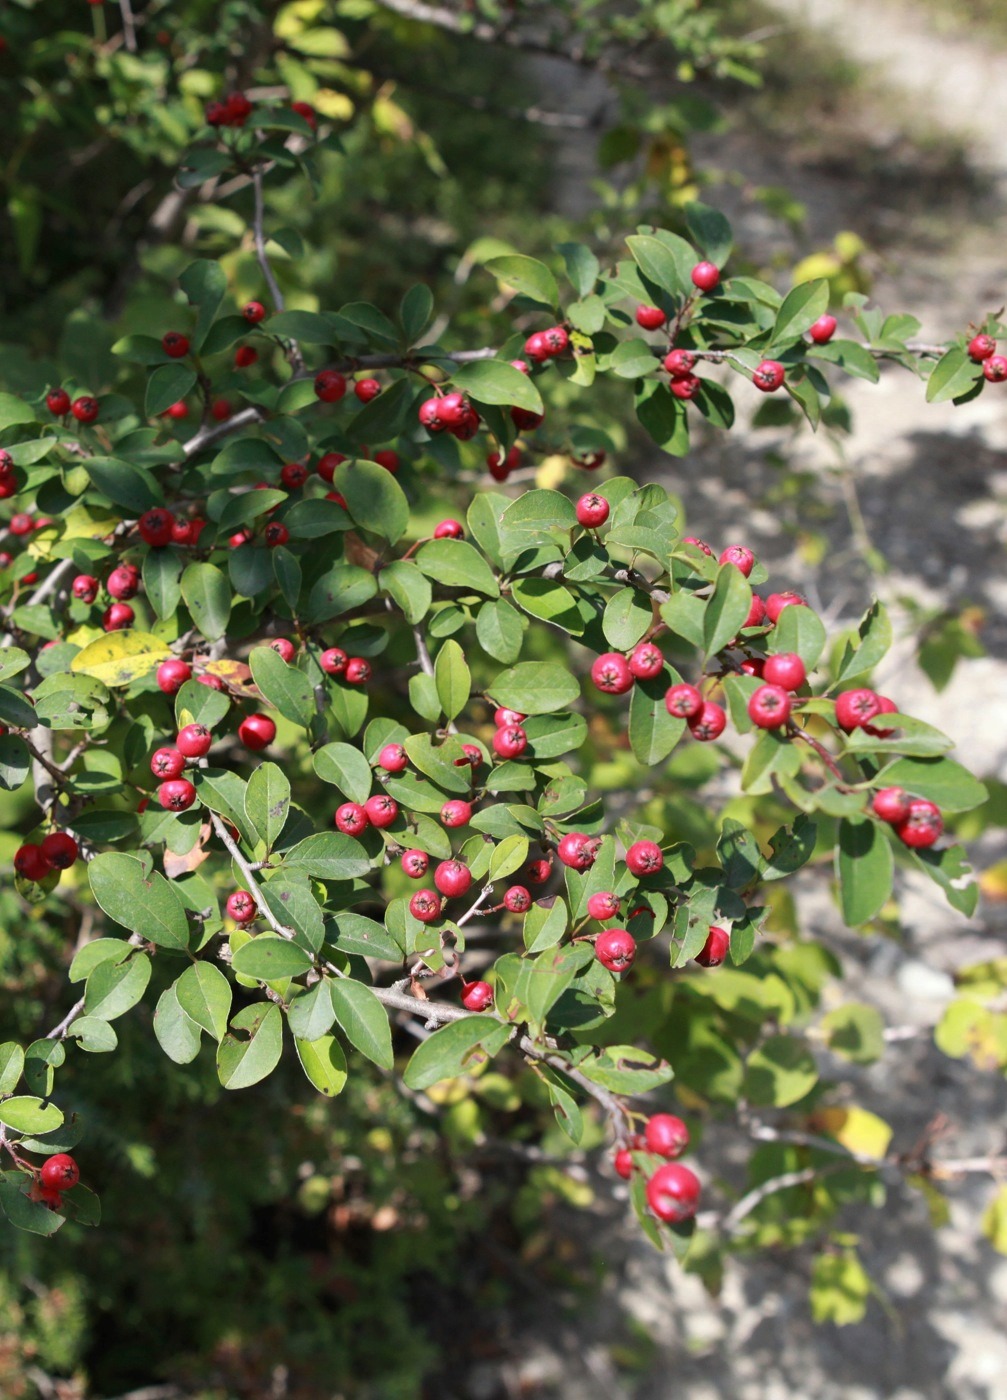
{"type": "Point", "coordinates": [727, 608]}
{"type": "Point", "coordinates": [269, 958]}
{"type": "Point", "coordinates": [95, 1034]}
{"type": "Point", "coordinates": [27, 1114]}
{"type": "Point", "coordinates": [711, 231]}
{"type": "Point", "coordinates": [543, 982]}
{"type": "Point", "coordinates": [346, 768]}
{"type": "Point", "coordinates": [802, 633]}
{"type": "Point", "coordinates": [204, 994]}
{"type": "Point", "coordinates": [166, 385]}
{"type": "Point", "coordinates": [374, 499]}
{"type": "Point", "coordinates": [162, 572]}
{"type": "Point", "coordinates": [875, 638]}
{"type": "Point", "coordinates": [456, 1047]}
{"type": "Point", "coordinates": [954, 374]}
{"type": "Point", "coordinates": [267, 802]}
{"type": "Point", "coordinates": [657, 261]}
{"type": "Point", "coordinates": [550, 602]}
{"type": "Point", "coordinates": [664, 419]}
{"type": "Point", "coordinates": [739, 854]}
{"type": "Point", "coordinates": [497, 382]}
{"type": "Point", "coordinates": [324, 1063]}
{"type": "Point", "coordinates": [365, 937]}
{"type": "Point", "coordinates": [15, 762]}
{"type": "Point", "coordinates": [840, 1289]}
{"type": "Point", "coordinates": [950, 868]}
{"type": "Point", "coordinates": [207, 595]}
{"type": "Point", "coordinates": [508, 856]}
{"type": "Point", "coordinates": [363, 1020]}
{"type": "Point", "coordinates": [864, 867]}
{"type": "Point", "coordinates": [780, 1071]}
{"type": "Point", "coordinates": [539, 512]}
{"type": "Point", "coordinates": [500, 630]}
{"type": "Point", "coordinates": [535, 688]}
{"type": "Point", "coordinates": [623, 1069]}
{"type": "Point", "coordinates": [243, 1061]}
{"type": "Point", "coordinates": [940, 780]}
{"type": "Point", "coordinates": [653, 733]}
{"type": "Point", "coordinates": [311, 1013]}
{"type": "Point", "coordinates": [205, 284]}
{"type": "Point", "coordinates": [456, 564]}
{"type": "Point", "coordinates": [582, 267]}
{"type": "Point", "coordinates": [343, 587]}
{"type": "Point", "coordinates": [11, 1065]}
{"type": "Point", "coordinates": [144, 903]}
{"type": "Point", "coordinates": [452, 678]}
{"type": "Point", "coordinates": [309, 326]}
{"type": "Point", "coordinates": [285, 687]}
{"type": "Point", "coordinates": [177, 1033]}
{"type": "Point", "coordinates": [790, 848]}
{"type": "Point", "coordinates": [329, 855]}
{"type": "Point", "coordinates": [287, 568]}
{"type": "Point", "coordinates": [22, 1213]}
{"type": "Point", "coordinates": [115, 988]}
{"type": "Point", "coordinates": [415, 312]}
{"type": "Point", "coordinates": [124, 484]}
{"type": "Point", "coordinates": [408, 588]}
{"type": "Point", "coordinates": [628, 616]}
{"type": "Point", "coordinates": [526, 275]}
{"type": "Point", "coordinates": [855, 1031]}
{"type": "Point", "coordinates": [800, 310]}
{"type": "Point", "coordinates": [200, 704]}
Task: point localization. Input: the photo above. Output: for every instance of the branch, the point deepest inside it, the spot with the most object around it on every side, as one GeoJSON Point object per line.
{"type": "Point", "coordinates": [258, 226]}
{"type": "Point", "coordinates": [59, 1031]}
{"type": "Point", "coordinates": [248, 873]}
{"type": "Point", "coordinates": [207, 436]}
{"type": "Point", "coordinates": [128, 25]}
{"type": "Point", "coordinates": [754, 1198]}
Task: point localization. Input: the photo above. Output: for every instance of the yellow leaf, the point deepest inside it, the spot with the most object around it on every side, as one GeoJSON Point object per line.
{"type": "Point", "coordinates": [995, 1221]}
{"type": "Point", "coordinates": [993, 881]}
{"type": "Point", "coordinates": [552, 471]}
{"type": "Point", "coordinates": [858, 1130]}
{"type": "Point", "coordinates": [335, 105]}
{"type": "Point", "coordinates": [120, 657]}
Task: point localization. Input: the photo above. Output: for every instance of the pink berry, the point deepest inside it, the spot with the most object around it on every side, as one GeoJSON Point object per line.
{"type": "Point", "coordinates": [476, 996]}
{"type": "Point", "coordinates": [709, 723]}
{"type": "Point", "coordinates": [194, 740]}
{"type": "Point", "coordinates": [769, 707]}
{"type": "Point", "coordinates": [603, 905]}
{"type": "Point", "coordinates": [981, 347]}
{"type": "Point", "coordinates": [854, 708]}
{"type": "Point", "coordinates": [241, 907]}
{"type": "Point", "coordinates": [517, 899]}
{"type": "Point", "coordinates": [503, 717]}
{"type": "Point", "coordinates": [776, 602]}
{"type": "Point", "coordinates": [453, 878]}
{"type": "Point", "coordinates": [456, 813]}
{"type": "Point", "coordinates": [381, 810]}
{"type": "Point", "coordinates": [715, 949]}
{"type": "Point", "coordinates": [177, 795]}
{"type": "Point", "coordinates": [611, 673]}
{"type": "Point", "coordinates": [538, 871]}
{"type": "Point", "coordinates": [666, 1135]}
{"type": "Point", "coordinates": [510, 741]}
{"type": "Point", "coordinates": [425, 905]}
{"type": "Point", "coordinates": [769, 376]}
{"type": "Point", "coordinates": [415, 864]}
{"type": "Point", "coordinates": [645, 858]}
{"type": "Point", "coordinates": [705, 276]}
{"type": "Point", "coordinates": [740, 556]}
{"type": "Point", "coordinates": [85, 587]}
{"type": "Point", "coordinates": [393, 758]}
{"type": "Point", "coordinates": [351, 819]}
{"type": "Point", "coordinates": [646, 661]}
{"type": "Point", "coordinates": [167, 763]}
{"type": "Point", "coordinates": [257, 732]}
{"type": "Point", "coordinates": [59, 1172]}
{"type": "Point", "coordinates": [823, 330]}
{"type": "Point", "coordinates": [686, 387]}
{"type": "Point", "coordinates": [172, 675]}
{"type": "Point", "coordinates": [995, 369]}
{"type": "Point", "coordinates": [576, 850]}
{"type": "Point", "coordinates": [786, 669]}
{"type": "Point", "coordinates": [673, 1193]}
{"type": "Point", "coordinates": [699, 544]}
{"type": "Point", "coordinates": [358, 671]}
{"type": "Point", "coordinates": [623, 1163]}
{"type": "Point", "coordinates": [756, 613]}
{"type": "Point", "coordinates": [680, 363]}
{"type": "Point", "coordinates": [333, 662]}
{"type": "Point", "coordinates": [154, 527]}
{"type": "Point", "coordinates": [650, 318]}
{"type": "Point", "coordinates": [891, 804]}
{"type": "Point", "coordinates": [683, 701]}
{"type": "Point", "coordinates": [615, 948]}
{"type": "Point", "coordinates": [449, 530]}
{"type": "Point", "coordinates": [284, 649]}
{"type": "Point", "coordinates": [592, 511]}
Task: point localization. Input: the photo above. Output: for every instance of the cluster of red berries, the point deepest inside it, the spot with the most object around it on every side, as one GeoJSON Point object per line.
{"type": "Point", "coordinates": [450, 413]}
{"type": "Point", "coordinates": [916, 821]}
{"type": "Point", "coordinates": [57, 851]}
{"type": "Point", "coordinates": [672, 1190]}
{"type": "Point", "coordinates": [57, 1174]}
{"type": "Point", "coordinates": [84, 408]}
{"type": "Point", "coordinates": [233, 110]}
{"type": "Point", "coordinates": [542, 346]}
{"type": "Point", "coordinates": [982, 349]}
{"type": "Point", "coordinates": [193, 742]}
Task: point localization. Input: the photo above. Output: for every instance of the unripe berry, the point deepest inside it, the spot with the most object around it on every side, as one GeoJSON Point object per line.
{"type": "Point", "coordinates": [358, 671]}
{"type": "Point", "coordinates": [194, 740]}
{"type": "Point", "coordinates": [172, 675]}
{"type": "Point", "coordinates": [60, 850]}
{"type": "Point", "coordinates": [776, 602]}
{"type": "Point", "coordinates": [476, 996]}
{"type": "Point", "coordinates": [241, 907]}
{"type": "Point", "coordinates": [85, 409]}
{"type": "Point", "coordinates": [456, 813]}
{"type": "Point", "coordinates": [611, 673]}
{"type": "Point", "coordinates": [577, 850]}
{"type": "Point", "coordinates": [154, 527]}
{"type": "Point", "coordinates": [650, 318]}
{"type": "Point", "coordinates": [995, 369]}
{"type": "Point", "coordinates": [922, 825]}
{"type": "Point", "coordinates": [615, 948]}
{"type": "Point", "coordinates": [517, 899]}
{"type": "Point", "coordinates": [592, 511]}
{"type": "Point", "coordinates": [453, 878]}
{"type": "Point", "coordinates": [673, 1193]}
{"type": "Point", "coordinates": [85, 587]}
{"type": "Point", "coordinates": [330, 386]}
{"type": "Point", "coordinates": [665, 1135]}
{"type": "Point", "coordinates": [57, 401]}
{"type": "Point", "coordinates": [603, 905]}
{"type": "Point", "coordinates": [257, 732]}
{"type": "Point", "coordinates": [425, 905]}
{"type": "Point", "coordinates": [740, 556]}
{"type": "Point", "coordinates": [449, 530]}
{"type": "Point", "coordinates": [855, 708]}
{"type": "Point", "coordinates": [367, 389]}
{"type": "Point", "coordinates": [705, 276]}
{"type": "Point", "coordinates": [381, 810]}
{"type": "Point", "coordinates": [769, 376]}
{"type": "Point", "coordinates": [174, 344]}
{"type": "Point", "coordinates": [30, 863]}
{"type": "Point", "coordinates": [177, 795]}
{"type": "Point", "coordinates": [683, 701]}
{"type": "Point", "coordinates": [823, 330]}
{"type": "Point", "coordinates": [510, 742]}
{"type": "Point", "coordinates": [645, 858]}
{"type": "Point", "coordinates": [708, 723]}
{"type": "Point", "coordinates": [538, 871]}
{"type": "Point", "coordinates": [769, 707]}
{"type": "Point", "coordinates": [393, 758]}
{"type": "Point", "coordinates": [415, 864]}
{"type": "Point", "coordinates": [503, 717]}
{"type": "Point", "coordinates": [59, 1172]}
{"type": "Point", "coordinates": [117, 616]}
{"type": "Point", "coordinates": [351, 819]}
{"type": "Point", "coordinates": [981, 347]}
{"type": "Point", "coordinates": [680, 363]}
{"type": "Point", "coordinates": [333, 662]}
{"type": "Point", "coordinates": [891, 804]}
{"type": "Point", "coordinates": [786, 669]}
{"type": "Point", "coordinates": [646, 661]}
{"type": "Point", "coordinates": [167, 763]}
{"type": "Point", "coordinates": [253, 312]}
{"type": "Point", "coordinates": [715, 949]}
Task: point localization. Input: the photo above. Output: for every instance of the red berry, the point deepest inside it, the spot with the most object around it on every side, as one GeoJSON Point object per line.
{"type": "Point", "coordinates": [645, 858]}
{"type": "Point", "coordinates": [257, 732]}
{"type": "Point", "coordinates": [686, 387]}
{"type": "Point", "coordinates": [756, 613]}
{"type": "Point", "coordinates": [891, 804]}
{"type": "Point", "coordinates": [85, 587]}
{"type": "Point", "coordinates": [328, 463]}
{"type": "Point", "coordinates": [85, 409]}
{"type": "Point", "coordinates": [981, 347]}
{"type": "Point", "coordinates": [699, 544]}
{"type": "Point", "coordinates": [31, 863]}
{"type": "Point", "coordinates": [172, 675]}
{"type": "Point", "coordinates": [673, 1193]}
{"type": "Point", "coordinates": [623, 1163]}
{"type": "Point", "coordinates": [194, 740]}
{"type": "Point", "coordinates": [769, 707]}
{"type": "Point", "coordinates": [177, 795]}
{"type": "Point", "coordinates": [358, 671]}
{"type": "Point", "coordinates": [603, 905]}
{"type": "Point", "coordinates": [922, 825]}
{"type": "Point", "coordinates": [538, 871]}
{"type": "Point", "coordinates": [177, 410]}
{"type": "Point", "coordinates": [705, 276]}
{"type": "Point", "coordinates": [577, 850]}
{"type": "Point", "coordinates": [715, 949]}
{"type": "Point", "coordinates": [611, 673]}
{"type": "Point", "coordinates": [535, 347]}
{"type": "Point", "coordinates": [389, 460]}
{"type": "Point", "coordinates": [381, 810]}
{"type": "Point", "coordinates": [453, 878]}
{"type": "Point", "coordinates": [430, 414]}
{"type": "Point", "coordinates": [175, 344]}
{"type": "Point", "coordinates": [367, 389]}
{"type": "Point", "coordinates": [592, 511]}
{"type": "Point", "coordinates": [650, 318]}
{"type": "Point", "coordinates": [476, 996]}
{"type": "Point", "coordinates": [239, 109]}
{"type": "Point", "coordinates": [330, 385]}
{"type": "Point", "coordinates": [680, 363]}
{"type": "Point", "coordinates": [556, 340]}
{"type": "Point", "coordinates": [471, 757]}
{"type": "Point", "coordinates": [305, 110]}
{"type": "Point", "coordinates": [284, 649]}
{"type": "Point", "coordinates": [666, 1135]}
{"type": "Point", "coordinates": [517, 899]}
{"type": "Point", "coordinates": [615, 948]}
{"type": "Point", "coordinates": [786, 669]}
{"type": "Point", "coordinates": [449, 530]}
{"type": "Point", "coordinates": [503, 717]}
{"type": "Point", "coordinates": [526, 420]}
{"type": "Point", "coordinates": [708, 723]}
{"type": "Point", "coordinates": [59, 1172]}
{"type": "Point", "coordinates": [415, 864]}
{"type": "Point", "coordinates": [425, 905]}
{"type": "Point", "coordinates": [456, 813]}
{"type": "Point", "coordinates": [241, 907]}
{"type": "Point", "coordinates": [646, 661]}
{"type": "Point", "coordinates": [187, 531]}
{"type": "Point", "coordinates": [220, 410]}
{"type": "Point", "coordinates": [275, 533]}
{"type": "Point", "coordinates": [776, 602]}
{"type": "Point", "coordinates": [253, 312]}
{"type": "Point", "coordinates": [995, 369]}
{"type": "Point", "coordinates": [333, 662]}
{"type": "Point", "coordinates": [740, 556]}
{"type": "Point", "coordinates": [683, 700]}
{"type": "Point", "coordinates": [393, 758]}
{"type": "Point", "coordinates": [854, 708]}
{"type": "Point", "coordinates": [351, 819]}
{"type": "Point", "coordinates": [117, 617]}
{"type": "Point", "coordinates": [769, 376]}
{"type": "Point", "coordinates": [57, 401]}
{"type": "Point", "coordinates": [244, 356]}
{"type": "Point", "coordinates": [823, 330]}
{"type": "Point", "coordinates": [154, 527]}
{"type": "Point", "coordinates": [294, 475]}
{"type": "Point", "coordinates": [123, 582]}
{"type": "Point", "coordinates": [214, 682]}
{"type": "Point", "coordinates": [167, 763]}
{"type": "Point", "coordinates": [510, 742]}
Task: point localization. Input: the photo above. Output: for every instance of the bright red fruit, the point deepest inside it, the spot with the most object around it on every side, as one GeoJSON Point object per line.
{"type": "Point", "coordinates": [85, 409]}
{"type": "Point", "coordinates": [30, 863]}
{"type": "Point", "coordinates": [57, 401]}
{"type": "Point", "coordinates": [981, 347]}
{"type": "Point", "coordinates": [517, 899]}
{"type": "Point", "coordinates": [367, 389]}
{"type": "Point", "coordinates": [715, 949]}
{"type": "Point", "coordinates": [253, 312]}
{"type": "Point", "coordinates": [85, 587]}
{"type": "Point", "coordinates": [576, 850]}
{"type": "Point", "coordinates": [786, 669]}
{"type": "Point", "coordinates": [538, 871]}
{"type": "Point", "coordinates": [769, 707]}
{"type": "Point", "coordinates": [172, 675]}
{"type": "Point", "coordinates": [623, 1163]}
{"type": "Point", "coordinates": [510, 741]}
{"type": "Point", "coordinates": [59, 1172]}
{"type": "Point", "coordinates": [740, 556]}
{"type": "Point", "coordinates": [333, 662]}
{"type": "Point", "coordinates": [453, 878]}
{"type": "Point", "coordinates": [823, 330]}
{"type": "Point", "coordinates": [257, 732]}
{"type": "Point", "coordinates": [476, 996]}
{"type": "Point", "coordinates": [615, 948]}
{"type": "Point", "coordinates": [683, 701]}
{"type": "Point", "coordinates": [995, 369]}
{"type": "Point", "coordinates": [646, 661]}
{"type": "Point", "coordinates": [705, 276]}
{"type": "Point", "coordinates": [358, 671]}
{"type": "Point", "coordinates": [241, 907]}
{"type": "Point", "coordinates": [425, 905]}
{"type": "Point", "coordinates": [305, 110]}
{"type": "Point", "coordinates": [503, 717]}
{"type": "Point", "coordinates": [117, 616]}
{"type": "Point", "coordinates": [680, 363]}
{"type": "Point", "coordinates": [922, 825]}
{"type": "Point", "coordinates": [177, 795]}
{"type": "Point", "coordinates": [891, 804]}
{"type": "Point", "coordinates": [666, 1135]}
{"type": "Point", "coordinates": [381, 810]}
{"type": "Point", "coordinates": [245, 356]}
{"type": "Point", "coordinates": [603, 905]}
{"type": "Point", "coordinates": [645, 858]}
{"type": "Point", "coordinates": [351, 819]}
{"type": "Point", "coordinates": [167, 763]}
{"type": "Point", "coordinates": [60, 850]}
{"type": "Point", "coordinates": [388, 459]}
{"type": "Point", "coordinates": [708, 723]}
{"type": "Point", "coordinates": [769, 376]}
{"type": "Point", "coordinates": [686, 386]}
{"type": "Point", "coordinates": [174, 344]}
{"type": "Point", "coordinates": [776, 602]}
{"type": "Point", "coordinates": [330, 385]}
{"type": "Point", "coordinates": [275, 533]}
{"type": "Point", "coordinates": [611, 673]}
{"type": "Point", "coordinates": [284, 648]}
{"type": "Point", "coordinates": [194, 740]}
{"type": "Point", "coordinates": [220, 410]}
{"type": "Point", "coordinates": [393, 758]}
{"type": "Point", "coordinates": [650, 318]}
{"type": "Point", "coordinates": [855, 708]}
{"type": "Point", "coordinates": [415, 864]}
{"type": "Point", "coordinates": [294, 475]}
{"type": "Point", "coordinates": [449, 530]}
{"type": "Point", "coordinates": [154, 527]}
{"type": "Point", "coordinates": [673, 1193]}
{"type": "Point", "coordinates": [592, 511]}
{"type": "Point", "coordinates": [456, 813]}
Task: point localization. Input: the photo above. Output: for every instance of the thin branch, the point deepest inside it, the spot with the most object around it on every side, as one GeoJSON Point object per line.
{"type": "Point", "coordinates": [258, 226]}
{"type": "Point", "coordinates": [128, 25]}
{"type": "Point", "coordinates": [253, 885]}
{"type": "Point", "coordinates": [754, 1198]}
{"type": "Point", "coordinates": [59, 1031]}
{"type": "Point", "coordinates": [207, 436]}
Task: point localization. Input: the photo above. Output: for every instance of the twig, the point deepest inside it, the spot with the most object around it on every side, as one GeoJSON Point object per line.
{"type": "Point", "coordinates": [754, 1198]}
{"type": "Point", "coordinates": [294, 350]}
{"type": "Point", "coordinates": [59, 1031]}
{"type": "Point", "coordinates": [246, 870]}
{"type": "Point", "coordinates": [128, 25]}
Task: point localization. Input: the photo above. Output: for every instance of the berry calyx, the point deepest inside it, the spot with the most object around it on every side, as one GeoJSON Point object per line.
{"type": "Point", "coordinates": [645, 858]}
{"type": "Point", "coordinates": [425, 905]}
{"type": "Point", "coordinates": [769, 376]}
{"type": "Point", "coordinates": [683, 701]}
{"type": "Point", "coordinates": [715, 949]}
{"type": "Point", "coordinates": [257, 732]}
{"type": "Point", "coordinates": [241, 907]}
{"type": "Point", "coordinates": [592, 511]}
{"type": "Point", "coordinates": [517, 899]}
{"type": "Point", "coordinates": [60, 850]}
{"type": "Point", "coordinates": [453, 878]}
{"type": "Point", "coordinates": [665, 1135]}
{"type": "Point", "coordinates": [351, 819]}
{"type": "Point", "coordinates": [476, 996]}
{"type": "Point", "coordinates": [705, 276]}
{"type": "Point", "coordinates": [921, 826]}
{"type": "Point", "coordinates": [172, 675]}
{"type": "Point", "coordinates": [177, 795]}
{"type": "Point", "coordinates": [891, 804]}
{"type": "Point", "coordinates": [823, 329]}
{"type": "Point", "coordinates": [769, 707]}
{"type": "Point", "coordinates": [603, 905]}
{"type": "Point", "coordinates": [673, 1193]}
{"type": "Point", "coordinates": [59, 1172]}
{"type": "Point", "coordinates": [650, 318]}
{"type": "Point", "coordinates": [611, 673]}
{"type": "Point", "coordinates": [615, 948]}
{"type": "Point", "coordinates": [786, 669]}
